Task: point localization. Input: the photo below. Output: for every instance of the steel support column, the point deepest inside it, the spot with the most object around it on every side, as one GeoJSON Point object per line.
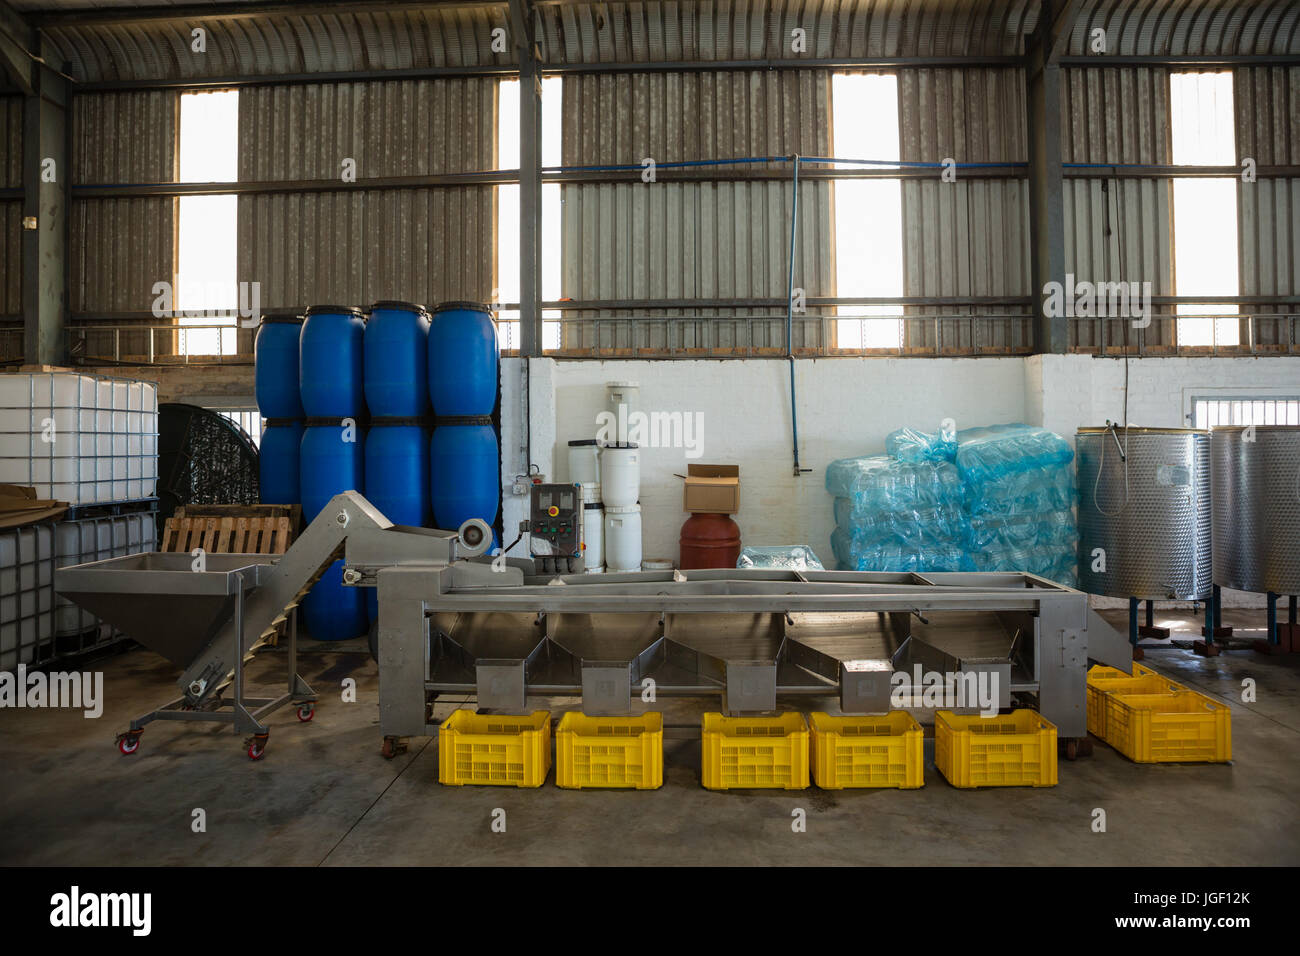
{"type": "Point", "coordinates": [46, 207]}
{"type": "Point", "coordinates": [522, 25]}
{"type": "Point", "coordinates": [1046, 186]}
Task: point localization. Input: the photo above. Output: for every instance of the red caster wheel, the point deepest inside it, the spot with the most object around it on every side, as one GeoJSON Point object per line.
{"type": "Point", "coordinates": [128, 743]}
{"type": "Point", "coordinates": [257, 747]}
{"type": "Point", "coordinates": [306, 712]}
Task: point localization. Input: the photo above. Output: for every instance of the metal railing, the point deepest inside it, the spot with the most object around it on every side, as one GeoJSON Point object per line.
{"type": "Point", "coordinates": [163, 344]}
{"type": "Point", "coordinates": [729, 332]}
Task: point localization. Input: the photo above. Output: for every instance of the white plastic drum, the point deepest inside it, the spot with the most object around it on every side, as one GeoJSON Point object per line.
{"type": "Point", "coordinates": [593, 535]}
{"type": "Point", "coordinates": [590, 492]}
{"type": "Point", "coordinates": [626, 394]}
{"type": "Point", "coordinates": [623, 538]}
{"type": "Point", "coordinates": [584, 461]}
{"type": "Point", "coordinates": [620, 470]}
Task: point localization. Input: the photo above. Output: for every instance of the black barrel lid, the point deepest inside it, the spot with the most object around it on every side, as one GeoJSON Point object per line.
{"type": "Point", "coordinates": [398, 304]}
{"type": "Point", "coordinates": [282, 318]}
{"type": "Point", "coordinates": [472, 306]}
{"type": "Point", "coordinates": [333, 310]}
{"type": "Point", "coordinates": [579, 442]}
{"type": "Point", "coordinates": [620, 444]}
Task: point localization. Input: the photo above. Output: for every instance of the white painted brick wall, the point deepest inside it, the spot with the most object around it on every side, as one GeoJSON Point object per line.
{"type": "Point", "coordinates": [846, 407]}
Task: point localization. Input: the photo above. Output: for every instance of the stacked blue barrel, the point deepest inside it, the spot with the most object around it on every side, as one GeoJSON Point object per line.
{"type": "Point", "coordinates": [464, 457]}
{"type": "Point", "coordinates": [332, 454]}
{"type": "Point", "coordinates": [279, 403]}
{"type": "Point", "coordinates": [347, 401]}
{"type": "Point", "coordinates": [397, 391]}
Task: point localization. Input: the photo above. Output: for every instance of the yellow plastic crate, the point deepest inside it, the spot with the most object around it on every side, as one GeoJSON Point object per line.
{"type": "Point", "coordinates": [609, 751]}
{"type": "Point", "coordinates": [1099, 687]}
{"type": "Point", "coordinates": [1184, 727]}
{"type": "Point", "coordinates": [1101, 672]}
{"type": "Point", "coordinates": [884, 751]}
{"type": "Point", "coordinates": [767, 752]}
{"type": "Point", "coordinates": [494, 749]}
{"type": "Point", "coordinates": [1011, 750]}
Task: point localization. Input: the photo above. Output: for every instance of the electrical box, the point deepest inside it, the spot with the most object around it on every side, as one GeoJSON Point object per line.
{"type": "Point", "coordinates": [554, 528]}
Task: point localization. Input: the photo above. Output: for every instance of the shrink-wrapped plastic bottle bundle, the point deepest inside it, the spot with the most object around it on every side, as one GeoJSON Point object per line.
{"type": "Point", "coordinates": [995, 498]}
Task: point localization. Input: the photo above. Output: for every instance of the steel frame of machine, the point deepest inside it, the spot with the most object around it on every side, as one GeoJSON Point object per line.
{"type": "Point", "coordinates": [452, 621]}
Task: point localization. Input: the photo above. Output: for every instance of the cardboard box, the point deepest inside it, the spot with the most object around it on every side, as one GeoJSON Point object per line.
{"type": "Point", "coordinates": [711, 489]}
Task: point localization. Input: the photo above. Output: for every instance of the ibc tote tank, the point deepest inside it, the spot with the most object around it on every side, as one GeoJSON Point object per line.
{"type": "Point", "coordinates": [275, 367]}
{"type": "Point", "coordinates": [462, 360]}
{"type": "Point", "coordinates": [329, 465]}
{"type": "Point", "coordinates": [397, 360]}
{"type": "Point", "coordinates": [1149, 514]}
{"type": "Point", "coordinates": [331, 365]}
{"type": "Point", "coordinates": [278, 462]}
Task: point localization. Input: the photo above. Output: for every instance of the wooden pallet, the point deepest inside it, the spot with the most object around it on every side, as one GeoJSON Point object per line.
{"type": "Point", "coordinates": [184, 533]}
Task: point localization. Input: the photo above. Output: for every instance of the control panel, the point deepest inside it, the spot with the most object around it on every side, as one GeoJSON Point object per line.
{"type": "Point", "coordinates": [554, 527]}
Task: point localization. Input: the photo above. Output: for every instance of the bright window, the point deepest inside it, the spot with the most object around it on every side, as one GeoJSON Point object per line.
{"type": "Point", "coordinates": [1210, 412]}
{"type": "Point", "coordinates": [1205, 210]}
{"type": "Point", "coordinates": [206, 269]}
{"type": "Point", "coordinates": [508, 211]}
{"type": "Point", "coordinates": [868, 212]}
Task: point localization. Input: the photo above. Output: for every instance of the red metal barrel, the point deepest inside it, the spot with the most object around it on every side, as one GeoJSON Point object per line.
{"type": "Point", "coordinates": [710, 541]}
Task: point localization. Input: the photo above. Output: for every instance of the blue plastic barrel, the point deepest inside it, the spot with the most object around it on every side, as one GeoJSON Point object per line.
{"type": "Point", "coordinates": [331, 366]}
{"type": "Point", "coordinates": [278, 462]}
{"type": "Point", "coordinates": [329, 464]}
{"type": "Point", "coordinates": [396, 360]}
{"type": "Point", "coordinates": [333, 612]}
{"type": "Point", "coordinates": [462, 360]}
{"type": "Point", "coordinates": [275, 367]}
{"type": "Point", "coordinates": [397, 471]}
{"type": "Point", "coordinates": [397, 477]}
{"type": "Point", "coordinates": [465, 469]}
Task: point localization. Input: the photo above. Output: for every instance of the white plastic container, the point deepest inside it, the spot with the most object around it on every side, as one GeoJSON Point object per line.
{"type": "Point", "coordinates": [79, 438]}
{"type": "Point", "coordinates": [623, 538]}
{"type": "Point", "coordinates": [657, 564]}
{"type": "Point", "coordinates": [593, 535]}
{"type": "Point", "coordinates": [620, 469]}
{"type": "Point", "coordinates": [591, 492]}
{"type": "Point", "coordinates": [584, 461]}
{"type": "Point", "coordinates": [26, 595]}
{"type": "Point", "coordinates": [627, 394]}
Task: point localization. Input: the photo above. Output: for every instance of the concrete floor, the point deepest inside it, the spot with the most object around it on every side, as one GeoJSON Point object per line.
{"type": "Point", "coordinates": [324, 795]}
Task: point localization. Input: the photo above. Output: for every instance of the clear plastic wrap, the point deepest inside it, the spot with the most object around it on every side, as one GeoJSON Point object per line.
{"type": "Point", "coordinates": [880, 483]}
{"type": "Point", "coordinates": [997, 498]}
{"type": "Point", "coordinates": [908, 444]}
{"type": "Point", "coordinates": [793, 557]}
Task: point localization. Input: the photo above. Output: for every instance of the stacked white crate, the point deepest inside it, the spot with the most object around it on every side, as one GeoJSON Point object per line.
{"type": "Point", "coordinates": [26, 595]}
{"type": "Point", "coordinates": [96, 539]}
{"type": "Point", "coordinates": [83, 439]}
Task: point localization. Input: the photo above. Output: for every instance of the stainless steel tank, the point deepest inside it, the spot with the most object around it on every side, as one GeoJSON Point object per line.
{"type": "Point", "coordinates": [1147, 510]}
{"type": "Point", "coordinates": [1257, 508]}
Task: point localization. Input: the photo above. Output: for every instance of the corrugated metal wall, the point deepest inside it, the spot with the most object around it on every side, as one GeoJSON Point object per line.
{"type": "Point", "coordinates": [11, 229]}
{"type": "Point", "coordinates": [355, 247]}
{"type": "Point", "coordinates": [1117, 116]}
{"type": "Point", "coordinates": [121, 247]}
{"type": "Point", "coordinates": [681, 240]}
{"type": "Point", "coordinates": [969, 237]}
{"type": "Point", "coordinates": [1267, 101]}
